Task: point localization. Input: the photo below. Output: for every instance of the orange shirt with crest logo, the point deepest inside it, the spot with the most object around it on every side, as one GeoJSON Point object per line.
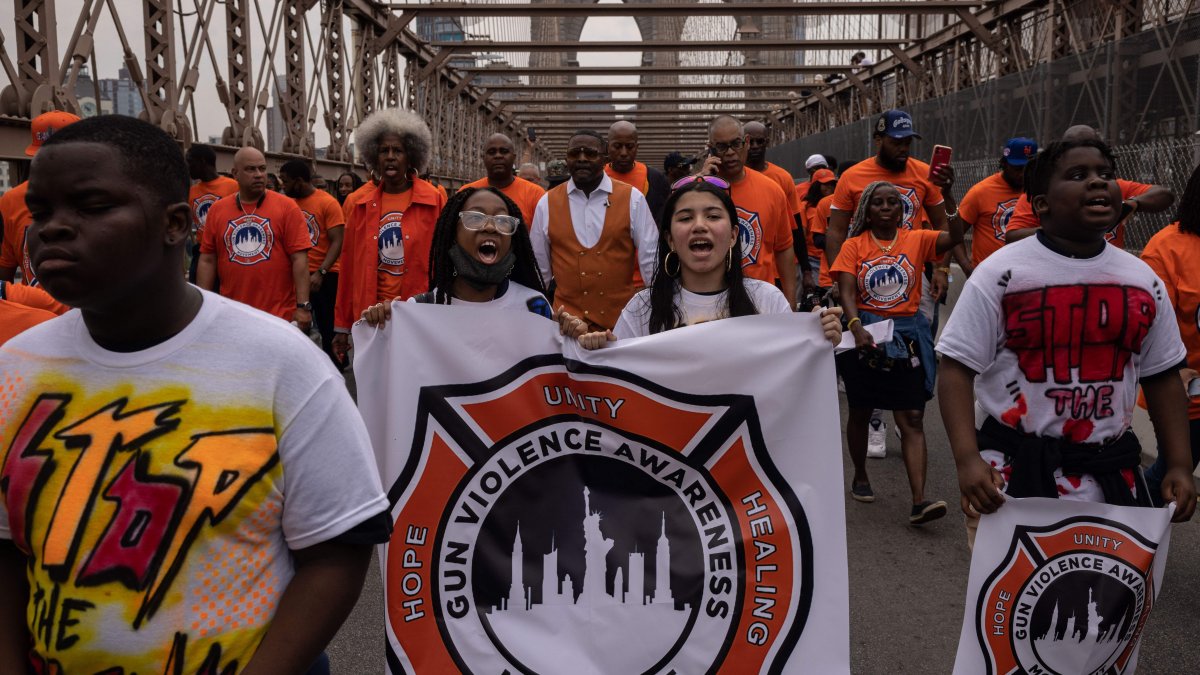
{"type": "Point", "coordinates": [321, 214]}
{"type": "Point", "coordinates": [202, 195]}
{"type": "Point", "coordinates": [14, 250]}
{"type": "Point", "coordinates": [786, 183]}
{"type": "Point", "coordinates": [901, 267]}
{"type": "Point", "coordinates": [765, 224]}
{"type": "Point", "coordinates": [916, 192]}
{"type": "Point", "coordinates": [392, 242]}
{"type": "Point", "coordinates": [1173, 255]}
{"type": "Point", "coordinates": [985, 211]}
{"type": "Point", "coordinates": [253, 248]}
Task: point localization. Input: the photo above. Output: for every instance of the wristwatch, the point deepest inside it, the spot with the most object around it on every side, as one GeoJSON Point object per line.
{"type": "Point", "coordinates": [304, 305]}
{"type": "Point", "coordinates": [322, 271]}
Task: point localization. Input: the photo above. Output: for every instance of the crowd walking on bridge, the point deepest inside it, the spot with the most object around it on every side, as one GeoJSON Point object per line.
{"type": "Point", "coordinates": [145, 295]}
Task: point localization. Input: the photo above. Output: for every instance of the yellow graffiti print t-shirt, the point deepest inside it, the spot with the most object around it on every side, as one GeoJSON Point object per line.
{"type": "Point", "coordinates": [156, 494]}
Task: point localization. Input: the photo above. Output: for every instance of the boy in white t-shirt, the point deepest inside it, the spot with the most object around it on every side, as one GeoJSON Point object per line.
{"type": "Point", "coordinates": [1060, 330]}
{"type": "Point", "coordinates": [185, 484]}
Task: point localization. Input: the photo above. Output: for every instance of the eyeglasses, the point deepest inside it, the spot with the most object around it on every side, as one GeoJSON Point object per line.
{"type": "Point", "coordinates": [714, 181]}
{"type": "Point", "coordinates": [475, 221]}
{"type": "Point", "coordinates": [722, 148]}
{"type": "Point", "coordinates": [586, 153]}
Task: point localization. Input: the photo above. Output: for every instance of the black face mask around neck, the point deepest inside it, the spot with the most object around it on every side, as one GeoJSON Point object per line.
{"type": "Point", "coordinates": [480, 275]}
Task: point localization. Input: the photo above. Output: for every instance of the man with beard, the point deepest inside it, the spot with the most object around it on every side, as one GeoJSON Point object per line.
{"type": "Point", "coordinates": [499, 157]}
{"type": "Point", "coordinates": [590, 234]}
{"type": "Point", "coordinates": [756, 158]}
{"type": "Point", "coordinates": [764, 217]}
{"type": "Point", "coordinates": [256, 242]}
{"type": "Point", "coordinates": [623, 166]}
{"type": "Point", "coordinates": [988, 205]}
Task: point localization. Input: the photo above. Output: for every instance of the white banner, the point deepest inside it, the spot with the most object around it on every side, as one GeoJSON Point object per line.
{"type": "Point", "coordinates": [665, 504]}
{"type": "Point", "coordinates": [1061, 586]}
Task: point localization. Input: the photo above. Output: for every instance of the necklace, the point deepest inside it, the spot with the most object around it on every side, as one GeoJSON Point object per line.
{"type": "Point", "coordinates": [257, 205]}
{"type": "Point", "coordinates": [885, 249]}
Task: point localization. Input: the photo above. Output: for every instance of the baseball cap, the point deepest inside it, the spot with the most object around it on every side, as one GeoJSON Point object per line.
{"type": "Point", "coordinates": [675, 159]}
{"type": "Point", "coordinates": [43, 127]}
{"type": "Point", "coordinates": [823, 176]}
{"type": "Point", "coordinates": [897, 124]}
{"type": "Point", "coordinates": [1018, 151]}
{"type": "Point", "coordinates": [815, 160]}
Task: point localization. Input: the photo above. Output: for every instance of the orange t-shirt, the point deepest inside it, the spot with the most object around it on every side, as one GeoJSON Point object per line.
{"type": "Point", "coordinates": [764, 224]}
{"type": "Point", "coordinates": [16, 318]}
{"type": "Point", "coordinates": [14, 252]}
{"type": "Point", "coordinates": [916, 192]}
{"type": "Point", "coordinates": [819, 224]}
{"type": "Point", "coordinates": [786, 183]}
{"type": "Point", "coordinates": [31, 296]}
{"type": "Point", "coordinates": [321, 214]}
{"type": "Point", "coordinates": [639, 177]}
{"type": "Point", "coordinates": [1172, 254]}
{"type": "Point", "coordinates": [203, 195]}
{"type": "Point", "coordinates": [986, 210]}
{"type": "Point", "coordinates": [889, 284]}
{"type": "Point", "coordinates": [253, 247]}
{"type": "Point", "coordinates": [392, 239]}
{"type": "Point", "coordinates": [525, 193]}
{"type": "Point", "coordinates": [801, 190]}
{"type": "Point", "coordinates": [1024, 218]}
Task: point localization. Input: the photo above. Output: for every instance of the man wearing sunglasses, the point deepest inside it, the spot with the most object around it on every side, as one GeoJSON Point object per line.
{"type": "Point", "coordinates": [590, 234]}
{"type": "Point", "coordinates": [757, 142]}
{"type": "Point", "coordinates": [764, 219]}
{"type": "Point", "coordinates": [623, 166]}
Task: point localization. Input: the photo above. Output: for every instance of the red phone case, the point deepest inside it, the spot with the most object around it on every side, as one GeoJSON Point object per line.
{"type": "Point", "coordinates": [941, 157]}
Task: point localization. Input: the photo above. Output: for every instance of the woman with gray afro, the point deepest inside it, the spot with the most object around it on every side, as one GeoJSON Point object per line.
{"type": "Point", "coordinates": [389, 230]}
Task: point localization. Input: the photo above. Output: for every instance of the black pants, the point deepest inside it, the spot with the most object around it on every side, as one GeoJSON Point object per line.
{"type": "Point", "coordinates": [323, 302]}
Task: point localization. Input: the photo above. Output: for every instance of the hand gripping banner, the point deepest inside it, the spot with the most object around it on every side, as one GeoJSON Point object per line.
{"type": "Point", "coordinates": [1061, 587]}
{"type": "Point", "coordinates": [671, 504]}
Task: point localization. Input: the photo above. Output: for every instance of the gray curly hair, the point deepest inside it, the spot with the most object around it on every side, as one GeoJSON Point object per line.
{"type": "Point", "coordinates": [412, 130]}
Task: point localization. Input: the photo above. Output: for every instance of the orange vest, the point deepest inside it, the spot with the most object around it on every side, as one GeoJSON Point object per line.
{"type": "Point", "coordinates": [595, 283]}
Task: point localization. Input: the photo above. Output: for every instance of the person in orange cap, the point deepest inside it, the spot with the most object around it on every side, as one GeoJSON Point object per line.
{"type": "Point", "coordinates": [14, 216]}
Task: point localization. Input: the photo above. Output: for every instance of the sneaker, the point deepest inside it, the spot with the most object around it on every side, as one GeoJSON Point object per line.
{"type": "Point", "coordinates": [927, 511]}
{"type": "Point", "coordinates": [862, 492]}
{"type": "Point", "coordinates": [877, 439]}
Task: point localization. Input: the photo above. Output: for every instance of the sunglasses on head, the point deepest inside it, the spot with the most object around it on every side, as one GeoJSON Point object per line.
{"type": "Point", "coordinates": [715, 181]}
{"type": "Point", "coordinates": [475, 221]}
{"type": "Point", "coordinates": [586, 153]}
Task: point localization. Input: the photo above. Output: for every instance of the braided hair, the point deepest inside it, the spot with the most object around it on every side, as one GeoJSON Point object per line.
{"type": "Point", "coordinates": [858, 222]}
{"type": "Point", "coordinates": [445, 236]}
{"type": "Point", "coordinates": [664, 313]}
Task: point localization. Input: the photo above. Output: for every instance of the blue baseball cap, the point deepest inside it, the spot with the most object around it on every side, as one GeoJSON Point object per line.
{"type": "Point", "coordinates": [897, 124]}
{"type": "Point", "coordinates": [1018, 151]}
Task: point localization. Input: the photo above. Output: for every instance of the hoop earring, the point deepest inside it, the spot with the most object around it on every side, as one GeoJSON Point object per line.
{"type": "Point", "coordinates": [729, 259]}
{"type": "Point", "coordinates": [667, 264]}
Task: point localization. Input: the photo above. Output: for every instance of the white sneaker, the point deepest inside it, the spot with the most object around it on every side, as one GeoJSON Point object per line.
{"type": "Point", "coordinates": [877, 440]}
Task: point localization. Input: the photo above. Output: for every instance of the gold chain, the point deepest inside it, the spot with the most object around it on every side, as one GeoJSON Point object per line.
{"type": "Point", "coordinates": [885, 249]}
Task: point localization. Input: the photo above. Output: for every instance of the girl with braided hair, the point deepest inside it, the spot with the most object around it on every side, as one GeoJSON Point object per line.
{"type": "Point", "coordinates": [879, 275]}
{"type": "Point", "coordinates": [480, 255]}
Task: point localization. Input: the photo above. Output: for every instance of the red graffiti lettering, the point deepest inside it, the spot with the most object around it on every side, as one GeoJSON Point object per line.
{"type": "Point", "coordinates": [1090, 330]}
{"type": "Point", "coordinates": [145, 508]}
{"type": "Point", "coordinates": [27, 466]}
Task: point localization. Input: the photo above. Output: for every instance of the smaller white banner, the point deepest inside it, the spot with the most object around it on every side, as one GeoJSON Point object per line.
{"type": "Point", "coordinates": [1061, 586]}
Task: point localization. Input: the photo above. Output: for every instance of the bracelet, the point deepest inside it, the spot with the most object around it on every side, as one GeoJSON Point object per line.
{"type": "Point", "coordinates": [944, 269]}
{"type": "Point", "coordinates": [850, 323]}
{"type": "Point", "coordinates": [952, 216]}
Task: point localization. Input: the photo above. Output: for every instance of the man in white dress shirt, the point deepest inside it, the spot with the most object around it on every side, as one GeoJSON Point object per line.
{"type": "Point", "coordinates": [591, 234]}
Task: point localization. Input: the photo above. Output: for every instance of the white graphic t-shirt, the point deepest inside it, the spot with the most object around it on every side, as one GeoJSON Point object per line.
{"type": "Point", "coordinates": [515, 296]}
{"type": "Point", "coordinates": [1060, 344]}
{"type": "Point", "coordinates": [157, 493]}
{"type": "Point", "coordinates": [697, 308]}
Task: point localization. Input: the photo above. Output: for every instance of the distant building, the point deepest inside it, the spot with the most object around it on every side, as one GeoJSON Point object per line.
{"type": "Point", "coordinates": [122, 94]}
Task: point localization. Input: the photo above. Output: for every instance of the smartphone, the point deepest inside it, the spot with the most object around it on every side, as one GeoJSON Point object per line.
{"type": "Point", "coordinates": [941, 157]}
{"type": "Point", "coordinates": [1193, 388]}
